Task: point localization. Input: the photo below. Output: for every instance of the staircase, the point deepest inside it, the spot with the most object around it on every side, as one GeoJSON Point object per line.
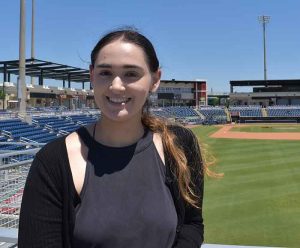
{"type": "Point", "coordinates": [264, 112]}
{"type": "Point", "coordinates": [198, 112]}
{"type": "Point", "coordinates": [227, 114]}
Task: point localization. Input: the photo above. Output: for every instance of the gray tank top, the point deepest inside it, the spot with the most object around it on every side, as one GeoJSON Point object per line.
{"type": "Point", "coordinates": [124, 199]}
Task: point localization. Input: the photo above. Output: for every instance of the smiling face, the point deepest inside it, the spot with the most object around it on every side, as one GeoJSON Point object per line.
{"type": "Point", "coordinates": [122, 80]}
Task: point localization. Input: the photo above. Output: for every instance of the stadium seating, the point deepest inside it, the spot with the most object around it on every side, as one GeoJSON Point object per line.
{"type": "Point", "coordinates": [213, 115]}
{"type": "Point", "coordinates": [46, 127]}
{"type": "Point", "coordinates": [16, 130]}
{"type": "Point", "coordinates": [283, 111]}
{"type": "Point", "coordinates": [82, 119]}
{"type": "Point", "coordinates": [161, 112]}
{"type": "Point", "coordinates": [181, 112]}
{"type": "Point", "coordinates": [247, 111]}
{"type": "Point", "coordinates": [183, 115]}
{"type": "Point", "coordinates": [54, 124]}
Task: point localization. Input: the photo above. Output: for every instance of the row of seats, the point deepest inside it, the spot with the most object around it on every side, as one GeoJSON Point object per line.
{"type": "Point", "coordinates": [9, 123]}
{"type": "Point", "coordinates": [181, 112]}
{"type": "Point", "coordinates": [271, 111]}
{"type": "Point", "coordinates": [284, 111]}
{"type": "Point", "coordinates": [12, 147]}
{"type": "Point", "coordinates": [247, 111]}
{"type": "Point", "coordinates": [18, 130]}
{"type": "Point", "coordinates": [162, 113]}
{"type": "Point", "coordinates": [15, 130]}
{"type": "Point", "coordinates": [57, 123]}
{"type": "Point", "coordinates": [213, 115]}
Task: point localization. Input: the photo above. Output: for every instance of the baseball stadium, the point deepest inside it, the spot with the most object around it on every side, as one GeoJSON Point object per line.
{"type": "Point", "coordinates": [250, 139]}
{"type": "Point", "coordinates": [255, 146]}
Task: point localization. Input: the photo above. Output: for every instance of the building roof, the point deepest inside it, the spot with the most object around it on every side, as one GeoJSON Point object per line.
{"type": "Point", "coordinates": [46, 69]}
{"type": "Point", "coordinates": [278, 82]}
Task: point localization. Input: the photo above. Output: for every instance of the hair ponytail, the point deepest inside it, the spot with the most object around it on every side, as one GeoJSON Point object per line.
{"type": "Point", "coordinates": [180, 167]}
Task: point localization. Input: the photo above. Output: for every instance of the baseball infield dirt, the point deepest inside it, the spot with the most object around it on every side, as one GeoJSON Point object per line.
{"type": "Point", "coordinates": [225, 132]}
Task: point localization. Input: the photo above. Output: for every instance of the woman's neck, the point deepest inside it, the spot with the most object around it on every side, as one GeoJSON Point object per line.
{"type": "Point", "coordinates": [118, 134]}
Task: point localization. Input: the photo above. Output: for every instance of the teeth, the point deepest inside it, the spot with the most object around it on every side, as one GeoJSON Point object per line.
{"type": "Point", "coordinates": [118, 100]}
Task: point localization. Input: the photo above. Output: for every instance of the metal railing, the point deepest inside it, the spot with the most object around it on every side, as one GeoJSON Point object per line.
{"type": "Point", "coordinates": [14, 167]}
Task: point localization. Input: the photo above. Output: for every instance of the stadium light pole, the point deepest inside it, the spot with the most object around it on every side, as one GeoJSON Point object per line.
{"type": "Point", "coordinates": [32, 33]}
{"type": "Point", "coordinates": [22, 73]}
{"type": "Point", "coordinates": [264, 20]}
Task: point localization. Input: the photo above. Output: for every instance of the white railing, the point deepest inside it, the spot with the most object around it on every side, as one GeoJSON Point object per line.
{"type": "Point", "coordinates": [14, 167]}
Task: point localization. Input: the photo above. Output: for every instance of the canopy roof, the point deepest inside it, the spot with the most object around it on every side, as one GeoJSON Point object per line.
{"type": "Point", "coordinates": [46, 69]}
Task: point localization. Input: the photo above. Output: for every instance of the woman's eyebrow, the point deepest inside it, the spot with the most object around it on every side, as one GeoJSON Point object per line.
{"type": "Point", "coordinates": [104, 66]}
{"type": "Point", "coordinates": [129, 66]}
{"type": "Point", "coordinates": [132, 67]}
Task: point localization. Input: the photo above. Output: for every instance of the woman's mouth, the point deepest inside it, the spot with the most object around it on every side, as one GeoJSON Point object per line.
{"type": "Point", "coordinates": [118, 100]}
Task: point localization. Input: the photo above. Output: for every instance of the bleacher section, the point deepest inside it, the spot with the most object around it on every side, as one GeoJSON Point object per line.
{"type": "Point", "coordinates": [42, 130]}
{"type": "Point", "coordinates": [181, 112]}
{"type": "Point", "coordinates": [213, 115]}
{"type": "Point", "coordinates": [184, 115]}
{"type": "Point", "coordinates": [46, 128]}
{"type": "Point", "coordinates": [55, 124]}
{"type": "Point", "coordinates": [16, 130]}
{"type": "Point", "coordinates": [283, 111]}
{"type": "Point", "coordinates": [83, 119]}
{"type": "Point", "coordinates": [161, 112]}
{"type": "Point", "coordinates": [247, 111]}
{"type": "Point", "coordinates": [9, 146]}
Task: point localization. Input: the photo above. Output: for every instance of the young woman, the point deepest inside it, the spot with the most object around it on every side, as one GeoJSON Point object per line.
{"type": "Point", "coordinates": [129, 180]}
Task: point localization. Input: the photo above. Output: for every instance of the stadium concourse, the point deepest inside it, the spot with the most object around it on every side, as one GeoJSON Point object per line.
{"type": "Point", "coordinates": [21, 137]}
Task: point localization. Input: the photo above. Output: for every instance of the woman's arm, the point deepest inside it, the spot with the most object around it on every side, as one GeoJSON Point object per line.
{"type": "Point", "coordinates": [40, 222]}
{"type": "Point", "coordinates": [191, 233]}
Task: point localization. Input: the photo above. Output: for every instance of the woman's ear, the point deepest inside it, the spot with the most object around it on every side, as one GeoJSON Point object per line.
{"type": "Point", "coordinates": [156, 81]}
{"type": "Point", "coordinates": [92, 75]}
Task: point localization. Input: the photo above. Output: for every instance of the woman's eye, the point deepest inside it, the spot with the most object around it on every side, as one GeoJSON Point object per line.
{"type": "Point", "coordinates": [131, 74]}
{"type": "Point", "coordinates": [105, 73]}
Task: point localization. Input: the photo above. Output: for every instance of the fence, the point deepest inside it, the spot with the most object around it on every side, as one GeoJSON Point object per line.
{"type": "Point", "coordinates": [14, 167]}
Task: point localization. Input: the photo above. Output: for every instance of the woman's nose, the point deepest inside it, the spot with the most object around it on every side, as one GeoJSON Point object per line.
{"type": "Point", "coordinates": [117, 84]}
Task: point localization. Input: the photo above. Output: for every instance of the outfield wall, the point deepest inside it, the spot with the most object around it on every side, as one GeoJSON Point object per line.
{"type": "Point", "coordinates": [269, 119]}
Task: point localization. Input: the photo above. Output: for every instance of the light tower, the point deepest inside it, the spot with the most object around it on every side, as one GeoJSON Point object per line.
{"type": "Point", "coordinates": [264, 20]}
{"type": "Point", "coordinates": [32, 34]}
{"type": "Point", "coordinates": [21, 78]}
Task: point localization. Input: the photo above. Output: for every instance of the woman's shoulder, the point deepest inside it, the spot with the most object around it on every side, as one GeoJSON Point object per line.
{"type": "Point", "coordinates": [47, 163]}
{"type": "Point", "coordinates": [56, 149]}
{"type": "Point", "coordinates": [53, 147]}
{"type": "Point", "coordinates": [185, 136]}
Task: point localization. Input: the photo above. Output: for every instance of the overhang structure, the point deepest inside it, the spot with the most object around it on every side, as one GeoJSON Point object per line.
{"type": "Point", "coordinates": [45, 69]}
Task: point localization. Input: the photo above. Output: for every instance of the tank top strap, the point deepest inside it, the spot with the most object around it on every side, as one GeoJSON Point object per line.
{"type": "Point", "coordinates": [85, 136]}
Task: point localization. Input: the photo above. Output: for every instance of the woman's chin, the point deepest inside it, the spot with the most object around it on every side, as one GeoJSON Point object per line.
{"type": "Point", "coordinates": [120, 116]}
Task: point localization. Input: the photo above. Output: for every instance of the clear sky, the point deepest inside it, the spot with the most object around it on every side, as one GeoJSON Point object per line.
{"type": "Point", "coordinates": [216, 40]}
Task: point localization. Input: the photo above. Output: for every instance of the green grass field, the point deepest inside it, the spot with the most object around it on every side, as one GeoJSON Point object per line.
{"type": "Point", "coordinates": [257, 202]}
{"type": "Point", "coordinates": [268, 128]}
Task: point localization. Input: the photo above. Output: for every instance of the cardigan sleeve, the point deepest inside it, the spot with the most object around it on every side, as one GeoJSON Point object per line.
{"type": "Point", "coordinates": [40, 223]}
{"type": "Point", "coordinates": [191, 233]}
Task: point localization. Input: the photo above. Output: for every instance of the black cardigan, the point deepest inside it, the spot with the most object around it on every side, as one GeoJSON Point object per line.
{"type": "Point", "coordinates": [47, 211]}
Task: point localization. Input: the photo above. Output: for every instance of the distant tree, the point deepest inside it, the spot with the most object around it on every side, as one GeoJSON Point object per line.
{"type": "Point", "coordinates": [227, 102]}
{"type": "Point", "coordinates": [2, 94]}
{"type": "Point", "coordinates": [213, 101]}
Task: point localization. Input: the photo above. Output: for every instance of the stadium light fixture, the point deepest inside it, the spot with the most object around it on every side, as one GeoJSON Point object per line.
{"type": "Point", "coordinates": [264, 20]}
